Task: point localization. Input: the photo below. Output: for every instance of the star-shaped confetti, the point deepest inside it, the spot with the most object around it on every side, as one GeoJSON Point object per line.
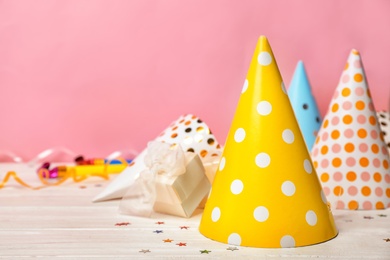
{"type": "Point", "coordinates": [82, 187]}
{"type": "Point", "coordinates": [348, 220]}
{"type": "Point", "coordinates": [382, 215]}
{"type": "Point", "coordinates": [144, 251]}
{"type": "Point", "coordinates": [158, 231]}
{"type": "Point", "coordinates": [368, 217]}
{"type": "Point", "coordinates": [232, 248]}
{"type": "Point", "coordinates": [387, 239]}
{"type": "Point", "coordinates": [167, 240]}
{"type": "Point", "coordinates": [122, 224]}
{"type": "Point", "coordinates": [181, 244]}
{"type": "Point", "coordinates": [204, 251]}
{"type": "Point", "coordinates": [160, 222]}
{"type": "Point", "coordinates": [184, 227]}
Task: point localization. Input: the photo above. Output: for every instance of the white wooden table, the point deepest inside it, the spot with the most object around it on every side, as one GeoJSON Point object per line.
{"type": "Point", "coordinates": [63, 222]}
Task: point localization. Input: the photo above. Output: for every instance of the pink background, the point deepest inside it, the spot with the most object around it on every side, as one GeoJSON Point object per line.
{"type": "Point", "coordinates": [98, 76]}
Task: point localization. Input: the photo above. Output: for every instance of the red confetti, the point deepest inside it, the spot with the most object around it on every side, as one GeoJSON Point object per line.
{"type": "Point", "coordinates": [181, 244]}
{"type": "Point", "coordinates": [122, 224]}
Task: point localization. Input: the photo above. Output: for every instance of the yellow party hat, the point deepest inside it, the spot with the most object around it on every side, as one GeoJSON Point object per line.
{"type": "Point", "coordinates": [350, 154]}
{"type": "Point", "coordinates": [266, 192]}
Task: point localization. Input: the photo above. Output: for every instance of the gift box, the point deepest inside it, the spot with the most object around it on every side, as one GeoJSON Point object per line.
{"type": "Point", "coordinates": [181, 195]}
{"type": "Point", "coordinates": [191, 134]}
{"type": "Point", "coordinates": [173, 182]}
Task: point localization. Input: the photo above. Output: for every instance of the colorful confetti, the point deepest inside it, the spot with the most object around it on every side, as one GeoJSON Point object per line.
{"type": "Point", "coordinates": [160, 222]}
{"type": "Point", "coordinates": [387, 239]}
{"type": "Point", "coordinates": [167, 240]}
{"type": "Point", "coordinates": [122, 224]}
{"type": "Point", "coordinates": [184, 227]}
{"type": "Point", "coordinates": [368, 217]}
{"type": "Point", "coordinates": [144, 251]}
{"type": "Point", "coordinates": [181, 244]}
{"type": "Point", "coordinates": [232, 248]}
{"type": "Point", "coordinates": [158, 231]}
{"type": "Point", "coordinates": [204, 251]}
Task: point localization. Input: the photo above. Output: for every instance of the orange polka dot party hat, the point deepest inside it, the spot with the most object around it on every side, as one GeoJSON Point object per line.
{"type": "Point", "coordinates": [266, 192]}
{"type": "Point", "coordinates": [350, 154]}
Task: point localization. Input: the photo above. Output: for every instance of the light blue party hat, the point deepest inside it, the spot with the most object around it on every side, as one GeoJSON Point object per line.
{"type": "Point", "coordinates": [304, 105]}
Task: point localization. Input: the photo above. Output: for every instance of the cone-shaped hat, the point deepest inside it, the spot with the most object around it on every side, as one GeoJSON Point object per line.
{"type": "Point", "coordinates": [304, 105]}
{"type": "Point", "coordinates": [266, 192]}
{"type": "Point", "coordinates": [350, 154]}
{"type": "Point", "coordinates": [384, 121]}
{"type": "Point", "coordinates": [191, 133]}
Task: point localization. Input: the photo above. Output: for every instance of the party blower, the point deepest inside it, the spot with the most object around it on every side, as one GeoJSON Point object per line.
{"type": "Point", "coordinates": [304, 105]}
{"type": "Point", "coordinates": [350, 154]}
{"type": "Point", "coordinates": [266, 192]}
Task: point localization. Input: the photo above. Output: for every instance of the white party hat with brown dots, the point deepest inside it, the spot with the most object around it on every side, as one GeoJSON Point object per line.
{"type": "Point", "coordinates": [349, 154]}
{"type": "Point", "coordinates": [191, 133]}
{"type": "Point", "coordinates": [266, 192]}
{"type": "Point", "coordinates": [384, 122]}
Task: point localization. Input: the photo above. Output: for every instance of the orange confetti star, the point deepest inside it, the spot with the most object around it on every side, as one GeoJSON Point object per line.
{"type": "Point", "coordinates": [184, 227]}
{"type": "Point", "coordinates": [167, 240]}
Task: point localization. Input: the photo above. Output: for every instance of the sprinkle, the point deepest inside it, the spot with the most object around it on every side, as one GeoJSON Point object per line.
{"type": "Point", "coordinates": [122, 224]}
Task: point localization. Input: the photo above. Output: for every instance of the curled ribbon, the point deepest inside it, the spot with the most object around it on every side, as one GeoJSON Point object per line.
{"type": "Point", "coordinates": [67, 172]}
{"type": "Point", "coordinates": [163, 162]}
{"type": "Point", "coordinates": [10, 156]}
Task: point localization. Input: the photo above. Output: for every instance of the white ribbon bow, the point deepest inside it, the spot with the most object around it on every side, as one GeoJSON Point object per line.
{"type": "Point", "coordinates": [163, 162]}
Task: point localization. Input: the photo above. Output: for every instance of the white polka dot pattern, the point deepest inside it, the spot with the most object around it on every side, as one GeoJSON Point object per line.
{"type": "Point", "coordinates": [266, 193]}
{"type": "Point", "coordinates": [264, 58]}
{"type": "Point", "coordinates": [239, 135]}
{"type": "Point", "coordinates": [264, 108]}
